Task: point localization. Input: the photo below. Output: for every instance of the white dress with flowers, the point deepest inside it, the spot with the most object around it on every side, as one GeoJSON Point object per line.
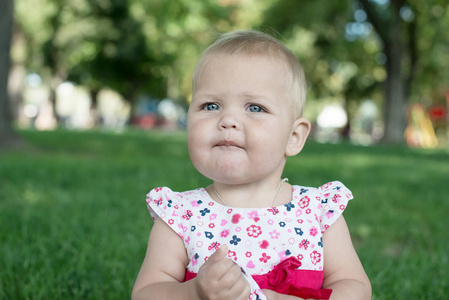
{"type": "Point", "coordinates": [258, 238]}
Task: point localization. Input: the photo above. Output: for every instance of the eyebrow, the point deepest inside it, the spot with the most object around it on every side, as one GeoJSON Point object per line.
{"type": "Point", "coordinates": [212, 95]}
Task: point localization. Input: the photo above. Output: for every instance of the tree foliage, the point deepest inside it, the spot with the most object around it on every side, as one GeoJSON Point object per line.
{"type": "Point", "coordinates": [385, 47]}
{"type": "Point", "coordinates": [392, 51]}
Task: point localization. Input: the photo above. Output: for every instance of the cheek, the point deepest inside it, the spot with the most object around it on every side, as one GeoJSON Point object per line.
{"type": "Point", "coordinates": [197, 143]}
{"type": "Point", "coordinates": [272, 146]}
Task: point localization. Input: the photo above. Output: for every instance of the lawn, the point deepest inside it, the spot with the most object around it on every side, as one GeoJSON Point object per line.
{"type": "Point", "coordinates": [74, 224]}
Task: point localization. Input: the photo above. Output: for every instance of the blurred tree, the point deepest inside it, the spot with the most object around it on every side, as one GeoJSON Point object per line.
{"type": "Point", "coordinates": [113, 53]}
{"type": "Point", "coordinates": [177, 32]}
{"type": "Point", "coordinates": [8, 137]}
{"type": "Point", "coordinates": [398, 40]}
{"type": "Point", "coordinates": [344, 43]}
{"type": "Point", "coordinates": [132, 46]}
{"type": "Point", "coordinates": [44, 51]}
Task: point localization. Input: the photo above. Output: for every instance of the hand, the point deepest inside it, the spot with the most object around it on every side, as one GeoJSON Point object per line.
{"type": "Point", "coordinates": [220, 278]}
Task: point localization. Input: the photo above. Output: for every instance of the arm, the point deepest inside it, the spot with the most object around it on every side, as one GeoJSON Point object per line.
{"type": "Point", "coordinates": [163, 270]}
{"type": "Point", "coordinates": [344, 273]}
{"type": "Point", "coordinates": [163, 267]}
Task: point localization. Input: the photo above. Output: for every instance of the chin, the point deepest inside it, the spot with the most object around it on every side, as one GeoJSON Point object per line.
{"type": "Point", "coordinates": [226, 177]}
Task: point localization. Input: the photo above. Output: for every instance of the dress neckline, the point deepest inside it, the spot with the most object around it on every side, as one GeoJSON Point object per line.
{"type": "Point", "coordinates": [294, 188]}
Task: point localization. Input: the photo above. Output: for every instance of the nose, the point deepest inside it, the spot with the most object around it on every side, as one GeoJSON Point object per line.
{"type": "Point", "coordinates": [228, 121]}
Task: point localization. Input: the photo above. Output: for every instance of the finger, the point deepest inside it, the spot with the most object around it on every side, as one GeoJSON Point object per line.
{"type": "Point", "coordinates": [231, 273]}
{"type": "Point", "coordinates": [244, 288]}
{"type": "Point", "coordinates": [218, 255]}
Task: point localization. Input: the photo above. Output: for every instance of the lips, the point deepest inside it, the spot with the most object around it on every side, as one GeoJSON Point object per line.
{"type": "Point", "coordinates": [227, 144]}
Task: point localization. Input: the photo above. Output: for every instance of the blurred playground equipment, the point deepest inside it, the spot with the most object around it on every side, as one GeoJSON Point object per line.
{"type": "Point", "coordinates": [428, 128]}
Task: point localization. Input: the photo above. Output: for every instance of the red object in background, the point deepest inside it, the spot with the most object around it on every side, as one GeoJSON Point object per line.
{"type": "Point", "coordinates": [437, 112]}
{"type": "Point", "coordinates": [146, 121]}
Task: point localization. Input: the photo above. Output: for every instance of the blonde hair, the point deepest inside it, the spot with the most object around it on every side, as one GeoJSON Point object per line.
{"type": "Point", "coordinates": [256, 43]}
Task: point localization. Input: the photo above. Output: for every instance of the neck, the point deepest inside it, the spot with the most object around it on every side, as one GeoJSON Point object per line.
{"type": "Point", "coordinates": [252, 195]}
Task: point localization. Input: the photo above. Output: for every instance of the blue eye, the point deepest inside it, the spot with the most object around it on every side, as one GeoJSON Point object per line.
{"type": "Point", "coordinates": [211, 106]}
{"type": "Point", "coordinates": [255, 108]}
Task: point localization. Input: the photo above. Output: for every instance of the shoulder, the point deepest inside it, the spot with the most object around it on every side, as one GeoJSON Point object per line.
{"type": "Point", "coordinates": [160, 195]}
{"type": "Point", "coordinates": [163, 202]}
{"type": "Point", "coordinates": [329, 201]}
{"type": "Point", "coordinates": [333, 189]}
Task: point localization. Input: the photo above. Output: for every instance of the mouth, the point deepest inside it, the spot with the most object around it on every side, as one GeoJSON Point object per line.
{"type": "Point", "coordinates": [227, 144]}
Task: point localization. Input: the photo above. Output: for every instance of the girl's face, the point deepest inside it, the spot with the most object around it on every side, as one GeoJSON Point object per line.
{"type": "Point", "coordinates": [240, 119]}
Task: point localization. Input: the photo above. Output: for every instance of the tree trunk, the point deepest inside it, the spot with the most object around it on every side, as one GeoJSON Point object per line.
{"type": "Point", "coordinates": [8, 137]}
{"type": "Point", "coordinates": [390, 31]}
{"type": "Point", "coordinates": [94, 116]}
{"type": "Point", "coordinates": [395, 96]}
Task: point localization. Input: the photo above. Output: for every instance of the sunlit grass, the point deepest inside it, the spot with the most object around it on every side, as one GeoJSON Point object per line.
{"type": "Point", "coordinates": [74, 225]}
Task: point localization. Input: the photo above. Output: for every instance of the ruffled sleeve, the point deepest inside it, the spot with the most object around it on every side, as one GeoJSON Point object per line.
{"type": "Point", "coordinates": [334, 199]}
{"type": "Point", "coordinates": [165, 204]}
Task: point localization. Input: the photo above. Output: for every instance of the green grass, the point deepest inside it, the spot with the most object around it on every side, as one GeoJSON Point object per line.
{"type": "Point", "coordinates": [74, 224]}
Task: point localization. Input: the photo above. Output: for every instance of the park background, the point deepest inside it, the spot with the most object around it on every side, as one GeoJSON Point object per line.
{"type": "Point", "coordinates": [94, 117]}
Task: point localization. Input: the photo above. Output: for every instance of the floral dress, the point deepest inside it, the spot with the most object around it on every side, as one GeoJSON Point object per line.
{"type": "Point", "coordinates": [279, 248]}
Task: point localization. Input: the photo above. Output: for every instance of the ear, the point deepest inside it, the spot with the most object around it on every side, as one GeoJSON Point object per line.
{"type": "Point", "coordinates": [298, 136]}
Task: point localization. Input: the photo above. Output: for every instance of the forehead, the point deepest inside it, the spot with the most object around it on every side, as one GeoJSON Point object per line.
{"type": "Point", "coordinates": [224, 64]}
{"type": "Point", "coordinates": [240, 72]}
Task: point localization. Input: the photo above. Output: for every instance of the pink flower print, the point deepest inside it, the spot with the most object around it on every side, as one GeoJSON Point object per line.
{"type": "Point", "coordinates": [304, 202]}
{"type": "Point", "coordinates": [304, 243]}
{"type": "Point", "coordinates": [273, 210]}
{"type": "Point", "coordinates": [264, 244]}
{"type": "Point", "coordinates": [270, 222]}
{"type": "Point", "coordinates": [188, 215]}
{"type": "Point", "coordinates": [308, 211]}
{"type": "Point", "coordinates": [195, 259]}
{"type": "Point", "coordinates": [232, 255]}
{"type": "Point", "coordinates": [313, 231]}
{"type": "Point", "coordinates": [211, 225]}
{"type": "Point", "coordinates": [342, 207]}
{"type": "Point", "coordinates": [158, 189]}
{"type": "Point", "coordinates": [283, 254]}
{"type": "Point", "coordinates": [274, 234]}
{"type": "Point", "coordinates": [229, 211]}
{"type": "Point", "coordinates": [325, 186]}
{"type": "Point", "coordinates": [176, 207]}
{"type": "Point", "coordinates": [224, 233]}
{"type": "Point", "coordinates": [171, 222]}
{"type": "Point", "coordinates": [316, 257]}
{"type": "Point", "coordinates": [252, 214]}
{"type": "Point", "coordinates": [248, 254]}
{"type": "Point", "coordinates": [254, 231]}
{"type": "Point", "coordinates": [300, 256]}
{"type": "Point", "coordinates": [236, 218]}
{"type": "Point", "coordinates": [211, 203]}
{"type": "Point", "coordinates": [214, 245]}
{"type": "Point", "coordinates": [336, 198]}
{"type": "Point", "coordinates": [264, 258]}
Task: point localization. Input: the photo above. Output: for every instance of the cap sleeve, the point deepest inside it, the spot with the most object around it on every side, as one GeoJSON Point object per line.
{"type": "Point", "coordinates": [334, 199]}
{"type": "Point", "coordinates": [165, 204]}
